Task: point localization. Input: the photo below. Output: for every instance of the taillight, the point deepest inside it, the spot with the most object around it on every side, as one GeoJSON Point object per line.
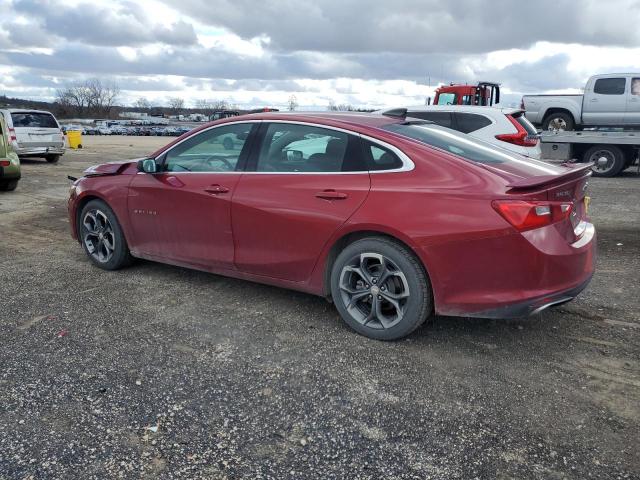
{"type": "Point", "coordinates": [521, 138]}
{"type": "Point", "coordinates": [12, 135]}
{"type": "Point", "coordinates": [4, 163]}
{"type": "Point", "coordinates": [527, 215]}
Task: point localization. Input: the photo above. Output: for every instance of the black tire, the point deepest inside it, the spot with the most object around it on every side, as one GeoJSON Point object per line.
{"type": "Point", "coordinates": [8, 185]}
{"type": "Point", "coordinates": [615, 160]}
{"type": "Point", "coordinates": [52, 158]}
{"type": "Point", "coordinates": [556, 121]}
{"type": "Point", "coordinates": [94, 241]}
{"type": "Point", "coordinates": [406, 276]}
{"type": "Point", "coordinates": [227, 143]}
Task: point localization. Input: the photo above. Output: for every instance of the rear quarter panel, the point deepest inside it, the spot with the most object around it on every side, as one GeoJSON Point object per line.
{"type": "Point", "coordinates": [438, 209]}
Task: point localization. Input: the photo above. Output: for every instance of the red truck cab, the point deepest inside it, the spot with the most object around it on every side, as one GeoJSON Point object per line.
{"type": "Point", "coordinates": [483, 94]}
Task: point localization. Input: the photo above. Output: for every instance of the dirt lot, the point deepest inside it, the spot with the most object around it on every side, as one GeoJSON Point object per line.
{"type": "Point", "coordinates": [158, 371]}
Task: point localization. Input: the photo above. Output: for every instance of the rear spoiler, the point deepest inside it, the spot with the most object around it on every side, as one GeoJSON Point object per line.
{"type": "Point", "coordinates": [574, 171]}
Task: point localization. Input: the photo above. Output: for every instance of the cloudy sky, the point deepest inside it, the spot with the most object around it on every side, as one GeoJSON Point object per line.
{"type": "Point", "coordinates": [254, 53]}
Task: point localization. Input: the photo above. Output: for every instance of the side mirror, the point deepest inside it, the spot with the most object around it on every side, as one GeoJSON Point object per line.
{"type": "Point", "coordinates": [148, 165]}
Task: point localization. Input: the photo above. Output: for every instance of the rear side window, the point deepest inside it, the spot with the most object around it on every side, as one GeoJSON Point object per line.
{"type": "Point", "coordinates": [610, 86]}
{"type": "Point", "coordinates": [439, 118]}
{"type": "Point", "coordinates": [33, 120]}
{"type": "Point", "coordinates": [470, 122]}
{"type": "Point", "coordinates": [379, 157]}
{"type": "Point", "coordinates": [524, 123]}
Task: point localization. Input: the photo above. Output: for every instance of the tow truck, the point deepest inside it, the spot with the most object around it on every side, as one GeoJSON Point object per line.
{"type": "Point", "coordinates": [482, 94]}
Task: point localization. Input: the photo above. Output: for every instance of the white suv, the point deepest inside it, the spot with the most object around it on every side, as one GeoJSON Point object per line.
{"type": "Point", "coordinates": [506, 128]}
{"type": "Point", "coordinates": [34, 133]}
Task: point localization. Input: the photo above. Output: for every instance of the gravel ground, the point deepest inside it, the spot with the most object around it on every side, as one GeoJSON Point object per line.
{"type": "Point", "coordinates": [158, 371]}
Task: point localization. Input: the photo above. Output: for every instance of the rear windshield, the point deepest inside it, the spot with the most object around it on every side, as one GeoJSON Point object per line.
{"type": "Point", "coordinates": [33, 119]}
{"type": "Point", "coordinates": [467, 147]}
{"type": "Point", "coordinates": [524, 123]}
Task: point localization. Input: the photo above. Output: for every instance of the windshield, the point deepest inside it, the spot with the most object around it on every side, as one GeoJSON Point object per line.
{"type": "Point", "coordinates": [467, 147]}
{"type": "Point", "coordinates": [33, 119]}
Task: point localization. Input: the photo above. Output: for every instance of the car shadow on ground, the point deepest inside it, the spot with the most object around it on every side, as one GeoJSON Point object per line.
{"type": "Point", "coordinates": [321, 314]}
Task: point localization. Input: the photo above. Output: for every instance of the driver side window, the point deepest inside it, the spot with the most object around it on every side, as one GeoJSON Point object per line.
{"type": "Point", "coordinates": [214, 150]}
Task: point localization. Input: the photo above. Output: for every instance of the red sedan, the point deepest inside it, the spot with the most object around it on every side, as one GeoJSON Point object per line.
{"type": "Point", "coordinates": [392, 218]}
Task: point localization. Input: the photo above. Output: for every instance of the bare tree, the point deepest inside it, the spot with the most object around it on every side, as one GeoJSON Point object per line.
{"type": "Point", "coordinates": [293, 103]}
{"type": "Point", "coordinates": [342, 107]}
{"type": "Point", "coordinates": [91, 97]}
{"type": "Point", "coordinates": [176, 104]}
{"type": "Point", "coordinates": [332, 106]}
{"type": "Point", "coordinates": [142, 103]}
{"type": "Point", "coordinates": [219, 105]}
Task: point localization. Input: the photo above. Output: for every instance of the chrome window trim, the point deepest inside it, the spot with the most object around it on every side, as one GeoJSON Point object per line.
{"type": "Point", "coordinates": [407, 163]}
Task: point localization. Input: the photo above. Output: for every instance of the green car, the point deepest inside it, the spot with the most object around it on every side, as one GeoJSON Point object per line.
{"type": "Point", "coordinates": [9, 161]}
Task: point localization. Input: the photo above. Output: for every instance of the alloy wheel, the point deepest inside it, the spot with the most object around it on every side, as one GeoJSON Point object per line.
{"type": "Point", "coordinates": [98, 236]}
{"type": "Point", "coordinates": [374, 291]}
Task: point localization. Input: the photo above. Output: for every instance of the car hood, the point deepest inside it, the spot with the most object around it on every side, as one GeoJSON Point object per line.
{"type": "Point", "coordinates": [109, 168]}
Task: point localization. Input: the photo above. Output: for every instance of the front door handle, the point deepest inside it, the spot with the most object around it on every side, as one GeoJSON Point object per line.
{"type": "Point", "coordinates": [216, 189]}
{"type": "Point", "coordinates": [331, 195]}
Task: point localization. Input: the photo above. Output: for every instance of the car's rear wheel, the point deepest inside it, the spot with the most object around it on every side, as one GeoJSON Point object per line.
{"type": "Point", "coordinates": [102, 238]}
{"type": "Point", "coordinates": [380, 288]}
{"type": "Point", "coordinates": [8, 185]}
{"type": "Point", "coordinates": [52, 158]}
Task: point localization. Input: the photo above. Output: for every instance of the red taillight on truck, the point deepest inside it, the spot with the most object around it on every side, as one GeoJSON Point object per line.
{"type": "Point", "coordinates": [526, 215]}
{"type": "Point", "coordinates": [521, 137]}
{"type": "Point", "coordinates": [12, 135]}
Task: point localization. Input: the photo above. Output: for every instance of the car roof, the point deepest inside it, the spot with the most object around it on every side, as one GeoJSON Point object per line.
{"type": "Point", "coordinates": [25, 110]}
{"type": "Point", "coordinates": [347, 120]}
{"type": "Point", "coordinates": [466, 109]}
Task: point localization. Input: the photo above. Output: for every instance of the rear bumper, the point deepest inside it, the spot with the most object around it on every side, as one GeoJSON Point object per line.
{"type": "Point", "coordinates": [9, 173]}
{"type": "Point", "coordinates": [511, 276]}
{"type": "Point", "coordinates": [534, 305]}
{"type": "Point", "coordinates": [38, 151]}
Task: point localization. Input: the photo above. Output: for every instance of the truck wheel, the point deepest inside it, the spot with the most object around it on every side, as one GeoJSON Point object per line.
{"type": "Point", "coordinates": [52, 158]}
{"type": "Point", "coordinates": [558, 121]}
{"type": "Point", "coordinates": [608, 160]}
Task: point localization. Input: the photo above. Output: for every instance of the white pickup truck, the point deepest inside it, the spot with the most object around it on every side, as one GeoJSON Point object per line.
{"type": "Point", "coordinates": [611, 100]}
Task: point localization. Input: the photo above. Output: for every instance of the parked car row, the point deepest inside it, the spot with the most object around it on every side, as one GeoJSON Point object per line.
{"type": "Point", "coordinates": [170, 131]}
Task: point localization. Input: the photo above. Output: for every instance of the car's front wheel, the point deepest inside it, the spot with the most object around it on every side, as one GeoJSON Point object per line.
{"type": "Point", "coordinates": [380, 288]}
{"type": "Point", "coordinates": [102, 238]}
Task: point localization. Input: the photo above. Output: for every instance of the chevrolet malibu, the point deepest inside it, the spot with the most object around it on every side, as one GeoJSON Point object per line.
{"type": "Point", "coordinates": [393, 219]}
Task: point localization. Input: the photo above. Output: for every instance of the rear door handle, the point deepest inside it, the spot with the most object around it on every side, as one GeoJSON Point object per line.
{"type": "Point", "coordinates": [216, 189]}
{"type": "Point", "coordinates": [331, 195]}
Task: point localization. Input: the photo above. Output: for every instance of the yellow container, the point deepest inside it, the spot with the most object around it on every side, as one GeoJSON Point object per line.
{"type": "Point", "coordinates": [74, 138]}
